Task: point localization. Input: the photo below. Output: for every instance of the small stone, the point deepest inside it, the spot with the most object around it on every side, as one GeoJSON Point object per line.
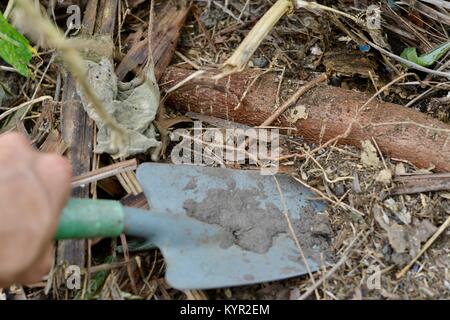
{"type": "Point", "coordinates": [339, 190]}
{"type": "Point", "coordinates": [335, 81]}
{"type": "Point", "coordinates": [260, 62]}
{"type": "Point", "coordinates": [387, 250]}
{"type": "Point", "coordinates": [321, 226]}
{"type": "Point", "coordinates": [211, 18]}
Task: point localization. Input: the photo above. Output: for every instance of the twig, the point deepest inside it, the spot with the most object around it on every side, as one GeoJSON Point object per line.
{"type": "Point", "coordinates": [250, 44]}
{"type": "Point", "coordinates": [107, 267]}
{"type": "Point", "coordinates": [331, 271]}
{"type": "Point", "coordinates": [244, 95]}
{"type": "Point", "coordinates": [186, 59]}
{"type": "Point", "coordinates": [196, 295]}
{"type": "Point", "coordinates": [439, 231]}
{"type": "Point", "coordinates": [384, 88]}
{"type": "Point", "coordinates": [23, 105]}
{"type": "Point", "coordinates": [316, 6]}
{"type": "Point", "coordinates": [277, 101]}
{"type": "Point", "coordinates": [105, 172]}
{"type": "Point", "coordinates": [438, 3]}
{"type": "Point", "coordinates": [244, 8]}
{"type": "Point", "coordinates": [126, 254]}
{"type": "Point", "coordinates": [380, 153]}
{"type": "Point", "coordinates": [52, 59]}
{"type": "Point", "coordinates": [8, 69]}
{"type": "Point", "coordinates": [443, 66]}
{"type": "Point", "coordinates": [127, 183]}
{"type": "Point", "coordinates": [324, 172]}
{"type": "Point", "coordinates": [408, 63]}
{"type": "Point", "coordinates": [420, 96]}
{"type": "Point", "coordinates": [425, 93]}
{"type": "Point", "coordinates": [184, 81]}
{"type": "Point", "coordinates": [294, 236]}
{"type": "Point", "coordinates": [8, 9]}
{"type": "Point", "coordinates": [227, 11]}
{"type": "Point", "coordinates": [294, 98]}
{"type": "Point", "coordinates": [151, 19]}
{"type": "Point", "coordinates": [324, 196]}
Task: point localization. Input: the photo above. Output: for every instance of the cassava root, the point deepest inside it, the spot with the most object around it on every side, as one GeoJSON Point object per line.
{"type": "Point", "coordinates": [400, 132]}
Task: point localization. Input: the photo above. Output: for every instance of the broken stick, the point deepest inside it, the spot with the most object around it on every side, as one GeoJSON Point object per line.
{"type": "Point", "coordinates": [293, 99]}
{"type": "Point", "coordinates": [421, 183]}
{"type": "Point", "coordinates": [439, 231]}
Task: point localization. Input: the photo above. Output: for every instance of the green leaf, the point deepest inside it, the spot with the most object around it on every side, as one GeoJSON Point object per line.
{"type": "Point", "coordinates": [14, 47]}
{"type": "Point", "coordinates": [97, 282]}
{"type": "Point", "coordinates": [428, 58]}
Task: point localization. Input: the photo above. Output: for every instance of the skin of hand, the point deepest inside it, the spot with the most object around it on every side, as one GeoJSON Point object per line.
{"type": "Point", "coordinates": [33, 190]}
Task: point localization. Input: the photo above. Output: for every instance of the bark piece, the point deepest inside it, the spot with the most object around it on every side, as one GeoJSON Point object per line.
{"type": "Point", "coordinates": [77, 128]}
{"type": "Point", "coordinates": [168, 23]}
{"type": "Point", "coordinates": [421, 183]}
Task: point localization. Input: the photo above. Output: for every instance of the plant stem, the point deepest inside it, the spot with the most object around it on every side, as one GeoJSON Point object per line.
{"type": "Point", "coordinates": [247, 48]}
{"type": "Point", "coordinates": [75, 64]}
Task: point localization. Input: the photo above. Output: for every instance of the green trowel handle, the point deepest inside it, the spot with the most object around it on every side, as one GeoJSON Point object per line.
{"type": "Point", "coordinates": [84, 219]}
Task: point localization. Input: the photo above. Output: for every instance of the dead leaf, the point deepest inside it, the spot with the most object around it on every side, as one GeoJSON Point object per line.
{"type": "Point", "coordinates": [399, 211]}
{"type": "Point", "coordinates": [405, 238]}
{"type": "Point", "coordinates": [424, 229]}
{"type": "Point", "coordinates": [369, 156]}
{"type": "Point", "coordinates": [397, 235]}
{"type": "Point", "coordinates": [54, 143]}
{"type": "Point", "coordinates": [385, 176]}
{"type": "Point", "coordinates": [389, 295]}
{"type": "Point", "coordinates": [400, 169]}
{"type": "Point", "coordinates": [167, 123]}
{"type": "Point", "coordinates": [420, 233]}
{"type": "Point", "coordinates": [297, 113]}
{"type": "Point", "coordinates": [133, 106]}
{"type": "Point", "coordinates": [164, 124]}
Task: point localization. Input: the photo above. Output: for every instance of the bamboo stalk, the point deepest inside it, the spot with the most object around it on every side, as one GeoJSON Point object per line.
{"type": "Point", "coordinates": [8, 9]}
{"type": "Point", "coordinates": [104, 172]}
{"type": "Point", "coordinates": [239, 59]}
{"type": "Point", "coordinates": [252, 41]}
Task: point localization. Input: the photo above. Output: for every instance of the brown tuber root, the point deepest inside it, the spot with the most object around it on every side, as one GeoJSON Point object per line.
{"type": "Point", "coordinates": [399, 132]}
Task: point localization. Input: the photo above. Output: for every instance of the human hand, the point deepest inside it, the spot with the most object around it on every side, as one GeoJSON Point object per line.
{"type": "Point", "coordinates": [33, 190]}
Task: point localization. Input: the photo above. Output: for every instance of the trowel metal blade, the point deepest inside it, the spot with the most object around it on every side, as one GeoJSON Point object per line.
{"type": "Point", "coordinates": [194, 251]}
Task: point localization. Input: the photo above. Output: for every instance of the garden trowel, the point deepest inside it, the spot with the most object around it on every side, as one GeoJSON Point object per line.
{"type": "Point", "coordinates": [215, 227]}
